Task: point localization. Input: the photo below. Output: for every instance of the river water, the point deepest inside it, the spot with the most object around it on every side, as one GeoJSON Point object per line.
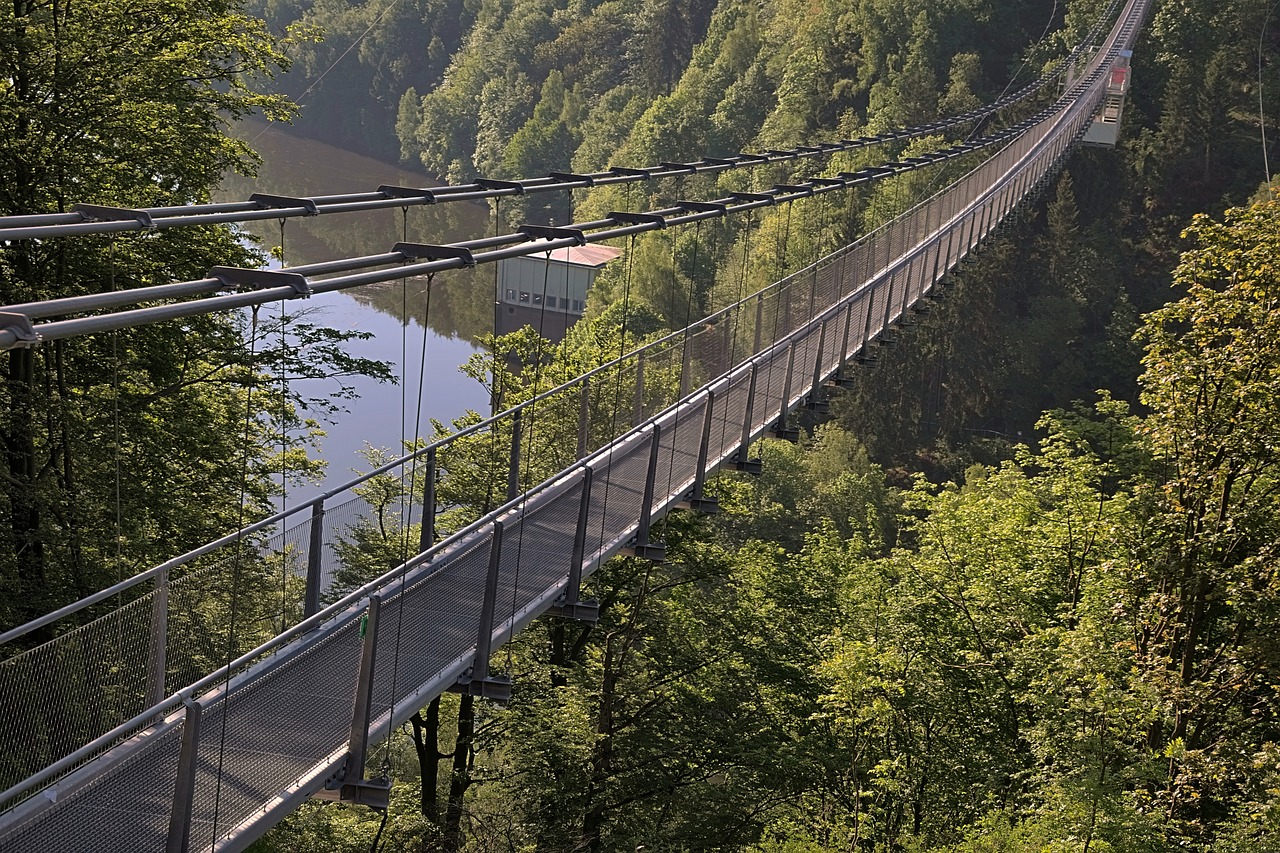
{"type": "Point", "coordinates": [394, 314]}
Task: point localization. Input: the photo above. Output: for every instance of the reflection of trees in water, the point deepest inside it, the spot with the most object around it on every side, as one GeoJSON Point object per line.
{"type": "Point", "coordinates": [321, 238]}
{"type": "Point", "coordinates": [461, 306]}
{"type": "Point", "coordinates": [463, 302]}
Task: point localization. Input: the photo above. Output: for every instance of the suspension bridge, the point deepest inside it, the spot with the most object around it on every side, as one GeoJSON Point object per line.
{"type": "Point", "coordinates": [130, 733]}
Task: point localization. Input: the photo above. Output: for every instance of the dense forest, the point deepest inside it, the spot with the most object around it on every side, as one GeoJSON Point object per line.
{"type": "Point", "coordinates": [981, 606]}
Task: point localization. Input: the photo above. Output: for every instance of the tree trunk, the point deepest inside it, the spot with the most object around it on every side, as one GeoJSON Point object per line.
{"type": "Point", "coordinates": [426, 742]}
{"type": "Point", "coordinates": [601, 756]}
{"type": "Point", "coordinates": [460, 779]}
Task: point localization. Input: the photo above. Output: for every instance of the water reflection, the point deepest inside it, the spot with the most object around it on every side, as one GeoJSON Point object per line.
{"type": "Point", "coordinates": [394, 313]}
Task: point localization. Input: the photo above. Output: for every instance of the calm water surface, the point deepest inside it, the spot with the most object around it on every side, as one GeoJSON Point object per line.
{"type": "Point", "coordinates": [395, 314]}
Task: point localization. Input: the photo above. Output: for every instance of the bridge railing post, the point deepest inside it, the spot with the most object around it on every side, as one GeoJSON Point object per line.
{"type": "Point", "coordinates": [816, 403]}
{"type": "Point", "coordinates": [697, 500]}
{"type": "Point", "coordinates": [638, 407]}
{"type": "Point", "coordinates": [643, 547]}
{"type": "Point", "coordinates": [179, 836]}
{"type": "Point", "coordinates": [513, 469]}
{"type": "Point", "coordinates": [686, 352]}
{"type": "Point", "coordinates": [782, 430]}
{"type": "Point", "coordinates": [971, 225]}
{"type": "Point", "coordinates": [354, 787]}
{"type": "Point", "coordinates": [574, 584]}
{"type": "Point", "coordinates": [158, 653]}
{"type": "Point", "coordinates": [937, 260]}
{"type": "Point", "coordinates": [357, 745]}
{"type": "Point", "coordinates": [570, 605]}
{"type": "Point", "coordinates": [315, 561]}
{"type": "Point", "coordinates": [427, 533]}
{"type": "Point", "coordinates": [870, 309]}
{"type": "Point", "coordinates": [843, 361]}
{"type": "Point", "coordinates": [755, 349]}
{"type": "Point", "coordinates": [740, 460]}
{"type": "Point", "coordinates": [727, 345]}
{"type": "Point", "coordinates": [907, 289]}
{"type": "Point", "coordinates": [888, 305]}
{"type": "Point", "coordinates": [488, 606]}
{"type": "Point", "coordinates": [584, 412]}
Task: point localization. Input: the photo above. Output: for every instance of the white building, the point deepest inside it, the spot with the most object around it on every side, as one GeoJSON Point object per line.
{"type": "Point", "coordinates": [557, 283]}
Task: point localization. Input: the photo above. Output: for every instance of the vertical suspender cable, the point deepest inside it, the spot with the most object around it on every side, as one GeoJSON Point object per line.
{"type": "Point", "coordinates": [404, 548]}
{"type": "Point", "coordinates": [532, 448]}
{"type": "Point", "coordinates": [684, 346]}
{"type": "Point", "coordinates": [237, 566]}
{"type": "Point", "coordinates": [780, 252]}
{"type": "Point", "coordinates": [617, 386]}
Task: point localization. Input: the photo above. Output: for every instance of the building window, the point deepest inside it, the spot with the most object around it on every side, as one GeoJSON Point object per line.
{"type": "Point", "coordinates": [524, 296]}
{"type": "Point", "coordinates": [537, 299]}
{"type": "Point", "coordinates": [564, 303]}
{"type": "Point", "coordinates": [578, 306]}
{"type": "Point", "coordinates": [511, 295]}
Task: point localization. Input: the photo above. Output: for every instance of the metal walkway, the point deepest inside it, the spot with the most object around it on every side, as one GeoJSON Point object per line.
{"type": "Point", "coordinates": [215, 765]}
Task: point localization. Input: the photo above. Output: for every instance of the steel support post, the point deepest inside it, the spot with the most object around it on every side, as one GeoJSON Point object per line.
{"type": "Point", "coordinates": [886, 337]}
{"type": "Point", "coordinates": [358, 742]}
{"type": "Point", "coordinates": [655, 551]}
{"type": "Point", "coordinates": [179, 838]}
{"type": "Point", "coordinates": [513, 470]}
{"type": "Point", "coordinates": [816, 402]}
{"type": "Point", "coordinates": [727, 345]}
{"type": "Point", "coordinates": [782, 323]}
{"type": "Point", "coordinates": [686, 353]}
{"type": "Point", "coordinates": [840, 380]}
{"type": "Point", "coordinates": [584, 412]}
{"type": "Point", "coordinates": [740, 460]}
{"type": "Point", "coordinates": [354, 788]}
{"type": "Point", "coordinates": [759, 323]}
{"type": "Point", "coordinates": [489, 605]}
{"type": "Point", "coordinates": [906, 293]}
{"type": "Point", "coordinates": [569, 605]}
{"type": "Point", "coordinates": [427, 535]}
{"type": "Point", "coordinates": [315, 561]}
{"type": "Point", "coordinates": [951, 250]}
{"type": "Point", "coordinates": [477, 681]}
{"type": "Point", "coordinates": [864, 350]}
{"type": "Point", "coordinates": [697, 500]}
{"type": "Point", "coordinates": [782, 431]}
{"type": "Point", "coordinates": [937, 264]}
{"type": "Point", "coordinates": [158, 654]}
{"type": "Point", "coordinates": [638, 416]}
